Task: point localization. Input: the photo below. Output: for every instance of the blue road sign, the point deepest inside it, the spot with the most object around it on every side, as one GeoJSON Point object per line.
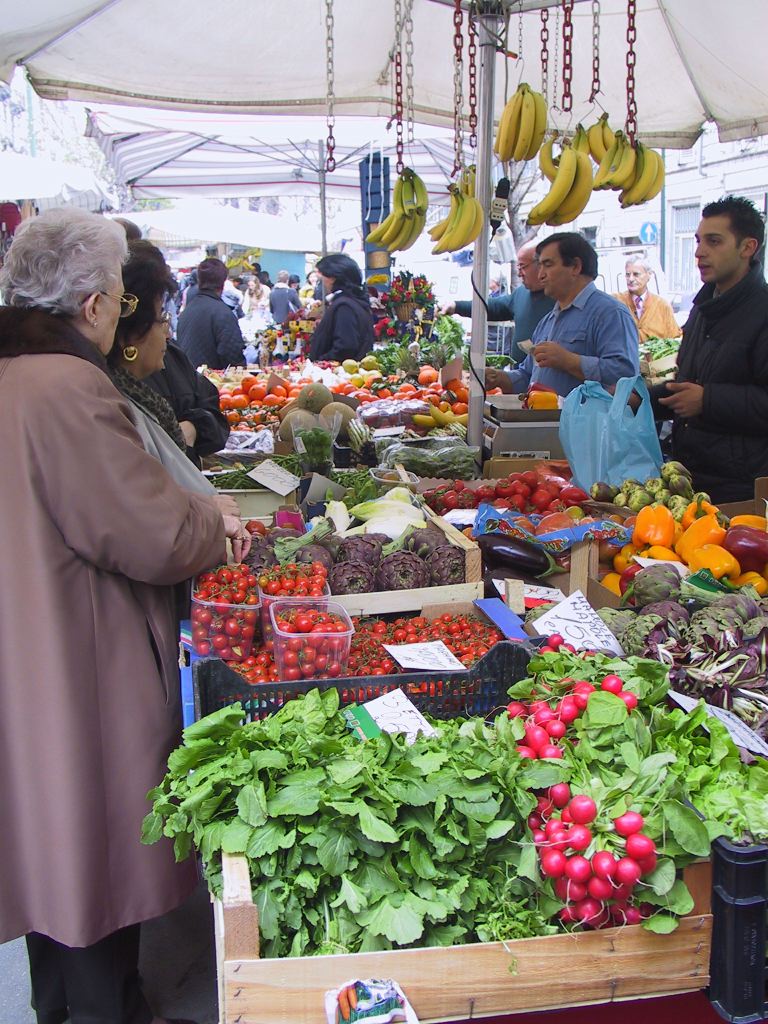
{"type": "Point", "coordinates": [649, 233]}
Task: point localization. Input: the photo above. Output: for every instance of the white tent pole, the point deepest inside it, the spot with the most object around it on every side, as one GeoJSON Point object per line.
{"type": "Point", "coordinates": [323, 211]}
{"type": "Point", "coordinates": [488, 27]}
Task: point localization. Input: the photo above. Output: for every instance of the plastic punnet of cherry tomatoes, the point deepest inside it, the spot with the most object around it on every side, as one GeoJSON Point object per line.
{"type": "Point", "coordinates": [295, 580]}
{"type": "Point", "coordinates": [310, 642]}
{"type": "Point", "coordinates": [225, 612]}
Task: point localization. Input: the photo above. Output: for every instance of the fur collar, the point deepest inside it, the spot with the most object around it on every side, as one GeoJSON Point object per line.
{"type": "Point", "coordinates": [36, 332]}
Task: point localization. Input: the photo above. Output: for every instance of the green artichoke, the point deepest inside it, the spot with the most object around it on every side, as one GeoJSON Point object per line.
{"type": "Point", "coordinates": [656, 583]}
{"type": "Point", "coordinates": [616, 619]}
{"type": "Point", "coordinates": [637, 636]}
{"type": "Point", "coordinates": [638, 498]}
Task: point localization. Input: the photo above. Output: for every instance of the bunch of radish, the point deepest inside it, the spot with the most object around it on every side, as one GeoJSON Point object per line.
{"type": "Point", "coordinates": [597, 888]}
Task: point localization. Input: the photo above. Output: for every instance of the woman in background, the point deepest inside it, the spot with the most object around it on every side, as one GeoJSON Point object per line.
{"type": "Point", "coordinates": [346, 329]}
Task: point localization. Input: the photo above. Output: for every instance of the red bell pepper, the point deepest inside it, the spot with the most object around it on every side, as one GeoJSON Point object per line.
{"type": "Point", "coordinates": [627, 576]}
{"type": "Point", "coordinates": [749, 547]}
{"type": "Point", "coordinates": [571, 496]}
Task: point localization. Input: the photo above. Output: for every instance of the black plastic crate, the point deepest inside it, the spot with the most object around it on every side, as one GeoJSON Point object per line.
{"type": "Point", "coordinates": [738, 976]}
{"type": "Point", "coordinates": [476, 691]}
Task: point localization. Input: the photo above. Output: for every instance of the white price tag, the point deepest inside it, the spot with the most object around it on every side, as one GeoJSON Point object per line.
{"type": "Point", "coordinates": [646, 563]}
{"type": "Point", "coordinates": [274, 477]}
{"type": "Point", "coordinates": [394, 712]}
{"type": "Point", "coordinates": [389, 431]}
{"type": "Point", "coordinates": [739, 731]}
{"type": "Point", "coordinates": [534, 593]}
{"type": "Point", "coordinates": [430, 657]}
{"type": "Point", "coordinates": [579, 624]}
{"type": "Point", "coordinates": [460, 516]}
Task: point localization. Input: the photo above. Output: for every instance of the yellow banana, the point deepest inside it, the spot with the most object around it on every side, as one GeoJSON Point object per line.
{"type": "Point", "coordinates": [581, 190]}
{"type": "Point", "coordinates": [645, 172]}
{"type": "Point", "coordinates": [408, 191]}
{"type": "Point", "coordinates": [414, 230]}
{"type": "Point", "coordinates": [509, 124]}
{"type": "Point", "coordinates": [527, 126]}
{"type": "Point", "coordinates": [396, 228]}
{"type": "Point", "coordinates": [580, 140]}
{"type": "Point", "coordinates": [477, 226]}
{"type": "Point", "coordinates": [607, 132]}
{"type": "Point", "coordinates": [561, 186]}
{"type": "Point", "coordinates": [607, 163]}
{"type": "Point", "coordinates": [624, 172]}
{"type": "Point", "coordinates": [464, 228]}
{"type": "Point", "coordinates": [596, 138]}
{"type": "Point", "coordinates": [438, 230]}
{"type": "Point", "coordinates": [540, 128]}
{"type": "Point", "coordinates": [445, 244]}
{"type": "Point", "coordinates": [547, 162]}
{"type": "Point", "coordinates": [658, 181]}
{"type": "Point", "coordinates": [442, 419]}
{"type": "Point", "coordinates": [391, 224]}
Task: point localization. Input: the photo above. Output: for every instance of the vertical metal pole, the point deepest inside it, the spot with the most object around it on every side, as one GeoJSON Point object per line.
{"type": "Point", "coordinates": [487, 23]}
{"type": "Point", "coordinates": [323, 212]}
{"type": "Point", "coordinates": [663, 221]}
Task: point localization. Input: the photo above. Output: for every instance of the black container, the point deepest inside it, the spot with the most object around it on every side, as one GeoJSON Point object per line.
{"type": "Point", "coordinates": [342, 456]}
{"type": "Point", "coordinates": [738, 977]}
{"type": "Point", "coordinates": [476, 691]}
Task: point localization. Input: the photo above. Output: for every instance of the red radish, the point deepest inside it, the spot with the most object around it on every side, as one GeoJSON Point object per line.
{"type": "Point", "coordinates": [579, 837]}
{"type": "Point", "coordinates": [543, 716]}
{"type": "Point", "coordinates": [560, 794]}
{"type": "Point", "coordinates": [546, 649]}
{"type": "Point", "coordinates": [568, 647]}
{"type": "Point", "coordinates": [582, 686]}
{"type": "Point", "coordinates": [612, 684]}
{"type": "Point", "coordinates": [516, 710]}
{"type": "Point", "coordinates": [633, 915]}
{"type": "Point", "coordinates": [553, 863]}
{"type": "Point", "coordinates": [538, 836]}
{"type": "Point", "coordinates": [587, 910]}
{"type": "Point", "coordinates": [534, 821]}
{"type": "Point", "coordinates": [536, 737]}
{"type": "Point", "coordinates": [550, 752]}
{"type": "Point", "coordinates": [619, 912]}
{"type": "Point", "coordinates": [647, 864]}
{"type": "Point", "coordinates": [628, 871]}
{"type": "Point", "coordinates": [583, 809]}
{"type": "Point", "coordinates": [555, 641]}
{"type": "Point", "coordinates": [629, 698]}
{"type": "Point", "coordinates": [552, 826]}
{"type": "Point", "coordinates": [640, 845]}
{"type": "Point", "coordinates": [570, 891]}
{"type": "Point", "coordinates": [623, 892]}
{"type": "Point", "coordinates": [599, 888]}
{"type": "Point", "coordinates": [604, 864]}
{"type": "Point", "coordinates": [538, 705]}
{"type": "Point", "coordinates": [578, 869]}
{"type": "Point", "coordinates": [565, 815]}
{"type": "Point", "coordinates": [628, 823]}
{"type": "Point", "coordinates": [569, 710]}
{"type": "Point", "coordinates": [646, 909]}
{"type": "Point", "coordinates": [524, 752]}
{"type": "Point", "coordinates": [556, 729]}
{"type": "Point", "coordinates": [581, 700]}
{"type": "Point", "coordinates": [544, 806]}
{"type": "Point", "coordinates": [567, 915]}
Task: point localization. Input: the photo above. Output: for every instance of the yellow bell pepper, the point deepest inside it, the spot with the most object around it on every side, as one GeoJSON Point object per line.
{"type": "Point", "coordinates": [696, 510]}
{"type": "Point", "coordinates": [756, 522]}
{"type": "Point", "coordinates": [752, 579]}
{"type": "Point", "coordinates": [542, 400]}
{"type": "Point", "coordinates": [720, 562]}
{"type": "Point", "coordinates": [662, 554]}
{"type": "Point", "coordinates": [706, 530]}
{"type": "Point", "coordinates": [654, 526]}
{"type": "Point", "coordinates": [679, 531]}
{"type": "Point", "coordinates": [611, 582]}
{"type": "Point", "coordinates": [624, 558]}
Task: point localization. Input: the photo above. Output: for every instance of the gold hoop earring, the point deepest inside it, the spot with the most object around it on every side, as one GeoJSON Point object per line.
{"type": "Point", "coordinates": [130, 353]}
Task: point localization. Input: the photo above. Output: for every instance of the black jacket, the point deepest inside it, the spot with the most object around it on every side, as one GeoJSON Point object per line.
{"type": "Point", "coordinates": [193, 398]}
{"type": "Point", "coordinates": [208, 332]}
{"type": "Point", "coordinates": [725, 348]}
{"type": "Point", "coordinates": [345, 331]}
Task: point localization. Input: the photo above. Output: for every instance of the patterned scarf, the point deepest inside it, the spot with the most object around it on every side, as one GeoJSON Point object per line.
{"type": "Point", "coordinates": [149, 400]}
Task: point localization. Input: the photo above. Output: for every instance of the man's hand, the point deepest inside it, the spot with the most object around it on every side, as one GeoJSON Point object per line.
{"type": "Point", "coordinates": [553, 356]}
{"type": "Point", "coordinates": [189, 430]}
{"type": "Point", "coordinates": [686, 400]}
{"type": "Point", "coordinates": [498, 379]}
{"type": "Point", "coordinates": [448, 308]}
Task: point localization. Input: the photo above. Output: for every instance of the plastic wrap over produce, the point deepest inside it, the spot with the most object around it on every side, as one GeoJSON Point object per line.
{"type": "Point", "coordinates": [389, 412]}
{"type": "Point", "coordinates": [375, 1001]}
{"type": "Point", "coordinates": [490, 519]}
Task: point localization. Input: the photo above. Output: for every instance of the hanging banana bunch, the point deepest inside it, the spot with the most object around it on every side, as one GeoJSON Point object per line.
{"type": "Point", "coordinates": [465, 217]}
{"type": "Point", "coordinates": [406, 221]}
{"type": "Point", "coordinates": [522, 125]}
{"type": "Point", "coordinates": [648, 178]}
{"type": "Point", "coordinates": [571, 176]}
{"type": "Point", "coordinates": [600, 137]}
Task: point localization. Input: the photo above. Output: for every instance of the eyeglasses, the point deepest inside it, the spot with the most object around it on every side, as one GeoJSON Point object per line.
{"type": "Point", "coordinates": [525, 266]}
{"type": "Point", "coordinates": [128, 303]}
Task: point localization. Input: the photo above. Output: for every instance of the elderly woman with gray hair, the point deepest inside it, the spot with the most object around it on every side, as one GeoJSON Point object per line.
{"type": "Point", "coordinates": [94, 533]}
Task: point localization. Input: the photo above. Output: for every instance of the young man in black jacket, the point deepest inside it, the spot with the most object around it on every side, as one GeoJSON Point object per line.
{"type": "Point", "coordinates": [719, 400]}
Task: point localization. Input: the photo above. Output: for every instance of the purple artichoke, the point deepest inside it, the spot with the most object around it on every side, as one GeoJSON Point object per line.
{"type": "Point", "coordinates": [261, 555]}
{"type": "Point", "coordinates": [402, 570]}
{"type": "Point", "coordinates": [446, 566]}
{"type": "Point", "coordinates": [352, 578]}
{"type": "Point", "coordinates": [366, 548]}
{"type": "Point", "coordinates": [315, 553]}
{"type": "Point", "coordinates": [424, 541]}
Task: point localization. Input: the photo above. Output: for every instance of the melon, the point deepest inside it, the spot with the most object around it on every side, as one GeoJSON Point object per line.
{"type": "Point", "coordinates": [314, 397]}
{"type": "Point", "coordinates": [297, 419]}
{"type": "Point", "coordinates": [290, 406]}
{"type": "Point", "coordinates": [332, 410]}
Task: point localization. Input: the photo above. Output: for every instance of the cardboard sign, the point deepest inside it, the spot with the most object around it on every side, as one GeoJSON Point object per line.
{"type": "Point", "coordinates": [275, 381]}
{"type": "Point", "coordinates": [452, 370]}
{"type": "Point", "coordinates": [433, 656]}
{"type": "Point", "coordinates": [534, 595]}
{"type": "Point", "coordinates": [578, 624]}
{"type": "Point", "coordinates": [739, 731]}
{"type": "Point", "coordinates": [274, 477]}
{"type": "Point", "coordinates": [319, 486]}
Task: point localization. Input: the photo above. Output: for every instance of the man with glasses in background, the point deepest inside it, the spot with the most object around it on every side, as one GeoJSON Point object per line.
{"type": "Point", "coordinates": [653, 315]}
{"type": "Point", "coordinates": [526, 305]}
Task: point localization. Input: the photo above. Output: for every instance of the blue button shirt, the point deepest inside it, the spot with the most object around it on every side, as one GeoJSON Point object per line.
{"type": "Point", "coordinates": [597, 327]}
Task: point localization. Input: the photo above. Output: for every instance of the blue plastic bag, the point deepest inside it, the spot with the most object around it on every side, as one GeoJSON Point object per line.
{"type": "Point", "coordinates": [604, 440]}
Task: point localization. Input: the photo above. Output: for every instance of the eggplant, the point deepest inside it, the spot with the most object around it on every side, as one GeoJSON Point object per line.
{"type": "Point", "coordinates": [521, 555]}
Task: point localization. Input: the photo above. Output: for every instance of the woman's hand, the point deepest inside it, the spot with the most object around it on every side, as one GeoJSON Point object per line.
{"type": "Point", "coordinates": [189, 430]}
{"type": "Point", "coordinates": [238, 535]}
{"type": "Point", "coordinates": [227, 505]}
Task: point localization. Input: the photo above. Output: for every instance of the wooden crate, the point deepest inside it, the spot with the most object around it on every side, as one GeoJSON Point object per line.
{"type": "Point", "coordinates": [477, 981]}
{"type": "Point", "coordinates": [584, 576]}
{"type": "Point", "coordinates": [386, 601]}
{"type": "Point", "coordinates": [756, 507]}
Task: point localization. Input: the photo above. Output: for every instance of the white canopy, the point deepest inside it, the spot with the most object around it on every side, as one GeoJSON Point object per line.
{"type": "Point", "coordinates": [185, 153]}
{"type": "Point", "coordinates": [27, 177]}
{"type": "Point", "coordinates": [697, 60]}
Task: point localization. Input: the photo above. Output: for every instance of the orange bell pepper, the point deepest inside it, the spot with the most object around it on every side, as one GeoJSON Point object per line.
{"type": "Point", "coordinates": [541, 400]}
{"type": "Point", "coordinates": [696, 510]}
{"type": "Point", "coordinates": [706, 530]}
{"type": "Point", "coordinates": [611, 582]}
{"type": "Point", "coordinates": [752, 579]}
{"type": "Point", "coordinates": [623, 559]}
{"type": "Point", "coordinates": [661, 554]}
{"type": "Point", "coordinates": [756, 522]}
{"type": "Point", "coordinates": [654, 526]}
{"type": "Point", "coordinates": [715, 558]}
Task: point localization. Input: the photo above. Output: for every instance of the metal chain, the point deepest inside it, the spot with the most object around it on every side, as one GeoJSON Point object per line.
{"type": "Point", "coordinates": [631, 122]}
{"type": "Point", "coordinates": [567, 54]}
{"type": "Point", "coordinates": [472, 73]}
{"type": "Point", "coordinates": [519, 29]}
{"type": "Point", "coordinates": [555, 69]}
{"type": "Point", "coordinates": [545, 53]}
{"type": "Point", "coordinates": [400, 165]}
{"type": "Point", "coordinates": [330, 162]}
{"type": "Point", "coordinates": [596, 87]}
{"type": "Point", "coordinates": [458, 91]}
{"type": "Point", "coordinates": [410, 116]}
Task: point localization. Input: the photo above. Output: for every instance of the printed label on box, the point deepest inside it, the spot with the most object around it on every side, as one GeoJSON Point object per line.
{"type": "Point", "coordinates": [578, 624]}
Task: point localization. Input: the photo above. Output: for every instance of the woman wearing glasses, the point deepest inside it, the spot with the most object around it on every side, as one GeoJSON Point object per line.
{"type": "Point", "coordinates": [94, 533]}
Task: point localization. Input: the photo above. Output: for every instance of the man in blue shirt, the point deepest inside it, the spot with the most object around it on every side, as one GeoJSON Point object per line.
{"type": "Point", "coordinates": [588, 335]}
{"type": "Point", "coordinates": [526, 305]}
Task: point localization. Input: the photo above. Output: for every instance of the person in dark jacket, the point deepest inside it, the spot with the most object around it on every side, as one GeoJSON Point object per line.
{"type": "Point", "coordinates": [208, 333]}
{"type": "Point", "coordinates": [346, 329]}
{"type": "Point", "coordinates": [719, 400]}
{"type": "Point", "coordinates": [283, 299]}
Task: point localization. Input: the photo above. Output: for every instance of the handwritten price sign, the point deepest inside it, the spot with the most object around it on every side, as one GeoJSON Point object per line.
{"type": "Point", "coordinates": [394, 712]}
{"type": "Point", "coordinates": [577, 622]}
{"type": "Point", "coordinates": [433, 656]}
